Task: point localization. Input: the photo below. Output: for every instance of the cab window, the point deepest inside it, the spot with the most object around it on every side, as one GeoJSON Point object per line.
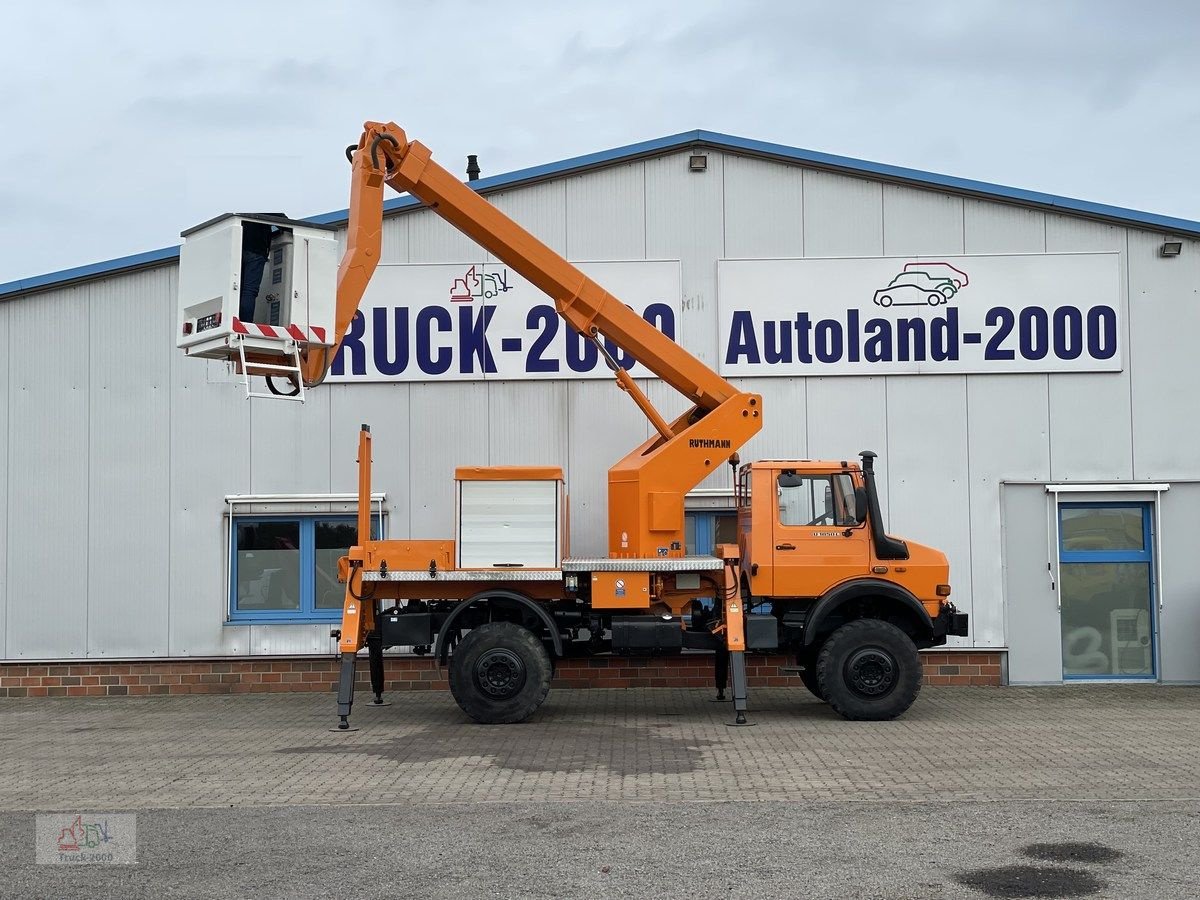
{"type": "Point", "coordinates": [816, 500]}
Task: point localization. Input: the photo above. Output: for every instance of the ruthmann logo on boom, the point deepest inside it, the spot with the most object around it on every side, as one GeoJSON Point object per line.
{"type": "Point", "coordinates": [1030, 333]}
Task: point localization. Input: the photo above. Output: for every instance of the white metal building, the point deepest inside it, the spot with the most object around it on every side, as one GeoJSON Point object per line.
{"type": "Point", "coordinates": [1041, 433]}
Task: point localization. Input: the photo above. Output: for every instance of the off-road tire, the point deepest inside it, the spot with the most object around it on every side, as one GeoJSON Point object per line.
{"type": "Point", "coordinates": [869, 670]}
{"type": "Point", "coordinates": [500, 673]}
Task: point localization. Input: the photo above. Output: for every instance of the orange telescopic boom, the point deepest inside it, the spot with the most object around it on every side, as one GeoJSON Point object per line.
{"type": "Point", "coordinates": [647, 487]}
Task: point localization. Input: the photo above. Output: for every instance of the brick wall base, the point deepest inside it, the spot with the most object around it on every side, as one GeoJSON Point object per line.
{"type": "Point", "coordinates": [411, 673]}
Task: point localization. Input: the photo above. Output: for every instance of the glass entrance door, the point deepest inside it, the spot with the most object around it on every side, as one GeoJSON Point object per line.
{"type": "Point", "coordinates": [1107, 591]}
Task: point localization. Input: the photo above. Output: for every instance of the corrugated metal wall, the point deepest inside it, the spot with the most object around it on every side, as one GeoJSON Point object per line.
{"type": "Point", "coordinates": [119, 450]}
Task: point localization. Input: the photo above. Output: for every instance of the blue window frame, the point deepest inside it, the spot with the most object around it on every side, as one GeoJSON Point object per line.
{"type": "Point", "coordinates": [284, 568]}
{"type": "Point", "coordinates": [1107, 580]}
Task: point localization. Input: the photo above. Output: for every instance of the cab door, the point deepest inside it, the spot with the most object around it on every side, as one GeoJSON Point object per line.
{"type": "Point", "coordinates": [819, 540]}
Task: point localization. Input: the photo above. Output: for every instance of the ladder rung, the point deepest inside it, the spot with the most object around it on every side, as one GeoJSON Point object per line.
{"type": "Point", "coordinates": [266, 370]}
{"type": "Point", "coordinates": [272, 367]}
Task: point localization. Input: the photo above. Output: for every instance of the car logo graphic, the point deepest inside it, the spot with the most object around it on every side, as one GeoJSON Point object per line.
{"type": "Point", "coordinates": [922, 284]}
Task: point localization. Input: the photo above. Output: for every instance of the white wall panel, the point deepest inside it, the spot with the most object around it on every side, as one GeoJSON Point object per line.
{"type": "Point", "coordinates": [1179, 583]}
{"type": "Point", "coordinates": [845, 416]}
{"type": "Point", "coordinates": [784, 434]}
{"type": "Point", "coordinates": [684, 221]}
{"type": "Point", "coordinates": [929, 480]}
{"type": "Point", "coordinates": [129, 453]}
{"type": "Point", "coordinates": [210, 458]}
{"type": "Point", "coordinates": [1008, 422]}
{"type": "Point", "coordinates": [1008, 439]}
{"type": "Point", "coordinates": [997, 228]}
{"type": "Point", "coordinates": [528, 423]}
{"type": "Point", "coordinates": [432, 240]}
{"type": "Point", "coordinates": [603, 427]}
{"type": "Point", "coordinates": [385, 408]}
{"type": "Point", "coordinates": [1035, 629]}
{"type": "Point", "coordinates": [48, 475]}
{"type": "Point", "coordinates": [1164, 317]}
{"type": "Point", "coordinates": [1090, 425]}
{"type": "Point", "coordinates": [921, 222]}
{"type": "Point", "coordinates": [289, 445]}
{"type": "Point", "coordinates": [843, 216]}
{"type": "Point", "coordinates": [291, 640]}
{"type": "Point", "coordinates": [764, 208]}
{"type": "Point", "coordinates": [606, 213]}
{"type": "Point", "coordinates": [448, 428]}
{"type": "Point", "coordinates": [395, 241]}
{"type": "Point", "coordinates": [5, 562]}
{"type": "Point", "coordinates": [540, 209]}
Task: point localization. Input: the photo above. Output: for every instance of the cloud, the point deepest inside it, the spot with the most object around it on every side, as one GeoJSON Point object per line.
{"type": "Point", "coordinates": [158, 121]}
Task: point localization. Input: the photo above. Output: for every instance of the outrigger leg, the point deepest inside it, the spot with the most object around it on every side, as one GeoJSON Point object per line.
{"type": "Point", "coordinates": [358, 611]}
{"type": "Point", "coordinates": [738, 663]}
{"type": "Point", "coordinates": [345, 697]}
{"type": "Point", "coordinates": [375, 659]}
{"type": "Point", "coordinates": [721, 673]}
{"type": "Point", "coordinates": [735, 635]}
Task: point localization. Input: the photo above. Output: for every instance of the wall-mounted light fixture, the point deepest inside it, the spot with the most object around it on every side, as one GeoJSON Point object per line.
{"type": "Point", "coordinates": [697, 162]}
{"type": "Point", "coordinates": [1170, 248]}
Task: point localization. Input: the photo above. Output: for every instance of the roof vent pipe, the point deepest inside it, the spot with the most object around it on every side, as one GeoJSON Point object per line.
{"type": "Point", "coordinates": [472, 167]}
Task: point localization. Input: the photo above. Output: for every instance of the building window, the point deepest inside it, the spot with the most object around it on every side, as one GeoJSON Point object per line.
{"type": "Point", "coordinates": [704, 529]}
{"type": "Point", "coordinates": [1106, 579]}
{"type": "Point", "coordinates": [284, 568]}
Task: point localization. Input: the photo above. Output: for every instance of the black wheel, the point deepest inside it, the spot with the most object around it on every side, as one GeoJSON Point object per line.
{"type": "Point", "coordinates": [500, 673]}
{"type": "Point", "coordinates": [807, 661]}
{"type": "Point", "coordinates": [869, 669]}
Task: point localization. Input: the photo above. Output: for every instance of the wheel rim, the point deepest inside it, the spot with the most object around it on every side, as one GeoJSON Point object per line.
{"type": "Point", "coordinates": [871, 672]}
{"type": "Point", "coordinates": [500, 673]}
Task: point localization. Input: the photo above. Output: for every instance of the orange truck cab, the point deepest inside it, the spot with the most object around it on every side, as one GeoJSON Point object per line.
{"type": "Point", "coordinates": [812, 544]}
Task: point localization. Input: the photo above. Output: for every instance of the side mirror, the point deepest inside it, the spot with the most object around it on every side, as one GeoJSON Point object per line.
{"type": "Point", "coordinates": [860, 504]}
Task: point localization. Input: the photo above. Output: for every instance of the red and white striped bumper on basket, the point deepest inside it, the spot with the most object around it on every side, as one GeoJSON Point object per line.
{"type": "Point", "coordinates": [280, 332]}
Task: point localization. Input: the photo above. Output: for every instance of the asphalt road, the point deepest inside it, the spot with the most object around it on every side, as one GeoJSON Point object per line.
{"type": "Point", "coordinates": [652, 849]}
{"type": "Point", "coordinates": [975, 793]}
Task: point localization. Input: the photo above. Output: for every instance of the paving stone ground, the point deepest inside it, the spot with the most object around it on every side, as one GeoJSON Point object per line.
{"type": "Point", "coordinates": [1110, 742]}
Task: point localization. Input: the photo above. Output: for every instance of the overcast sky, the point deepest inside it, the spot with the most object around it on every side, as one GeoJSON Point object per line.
{"type": "Point", "coordinates": [124, 122]}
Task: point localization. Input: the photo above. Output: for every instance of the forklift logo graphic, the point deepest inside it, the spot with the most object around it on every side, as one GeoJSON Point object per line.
{"type": "Point", "coordinates": [80, 835]}
{"type": "Point", "coordinates": [475, 284]}
{"type": "Point", "coordinates": [922, 284]}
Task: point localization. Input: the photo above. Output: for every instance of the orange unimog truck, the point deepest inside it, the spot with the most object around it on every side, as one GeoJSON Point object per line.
{"type": "Point", "coordinates": [813, 573]}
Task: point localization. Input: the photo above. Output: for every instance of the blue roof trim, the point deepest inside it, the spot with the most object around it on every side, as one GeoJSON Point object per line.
{"type": "Point", "coordinates": [107, 267]}
{"type": "Point", "coordinates": [949, 182]}
{"type": "Point", "coordinates": [849, 165]}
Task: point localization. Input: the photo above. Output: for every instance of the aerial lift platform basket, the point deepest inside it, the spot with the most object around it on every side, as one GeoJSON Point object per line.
{"type": "Point", "coordinates": [258, 290]}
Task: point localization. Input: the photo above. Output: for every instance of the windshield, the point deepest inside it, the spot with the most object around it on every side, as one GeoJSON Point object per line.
{"type": "Point", "coordinates": [816, 500]}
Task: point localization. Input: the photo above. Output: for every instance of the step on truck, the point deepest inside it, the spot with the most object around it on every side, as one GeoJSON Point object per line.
{"type": "Point", "coordinates": [813, 574]}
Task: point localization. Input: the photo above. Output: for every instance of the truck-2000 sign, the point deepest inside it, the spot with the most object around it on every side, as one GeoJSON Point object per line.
{"type": "Point", "coordinates": [476, 321]}
{"type": "Point", "coordinates": [994, 314]}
